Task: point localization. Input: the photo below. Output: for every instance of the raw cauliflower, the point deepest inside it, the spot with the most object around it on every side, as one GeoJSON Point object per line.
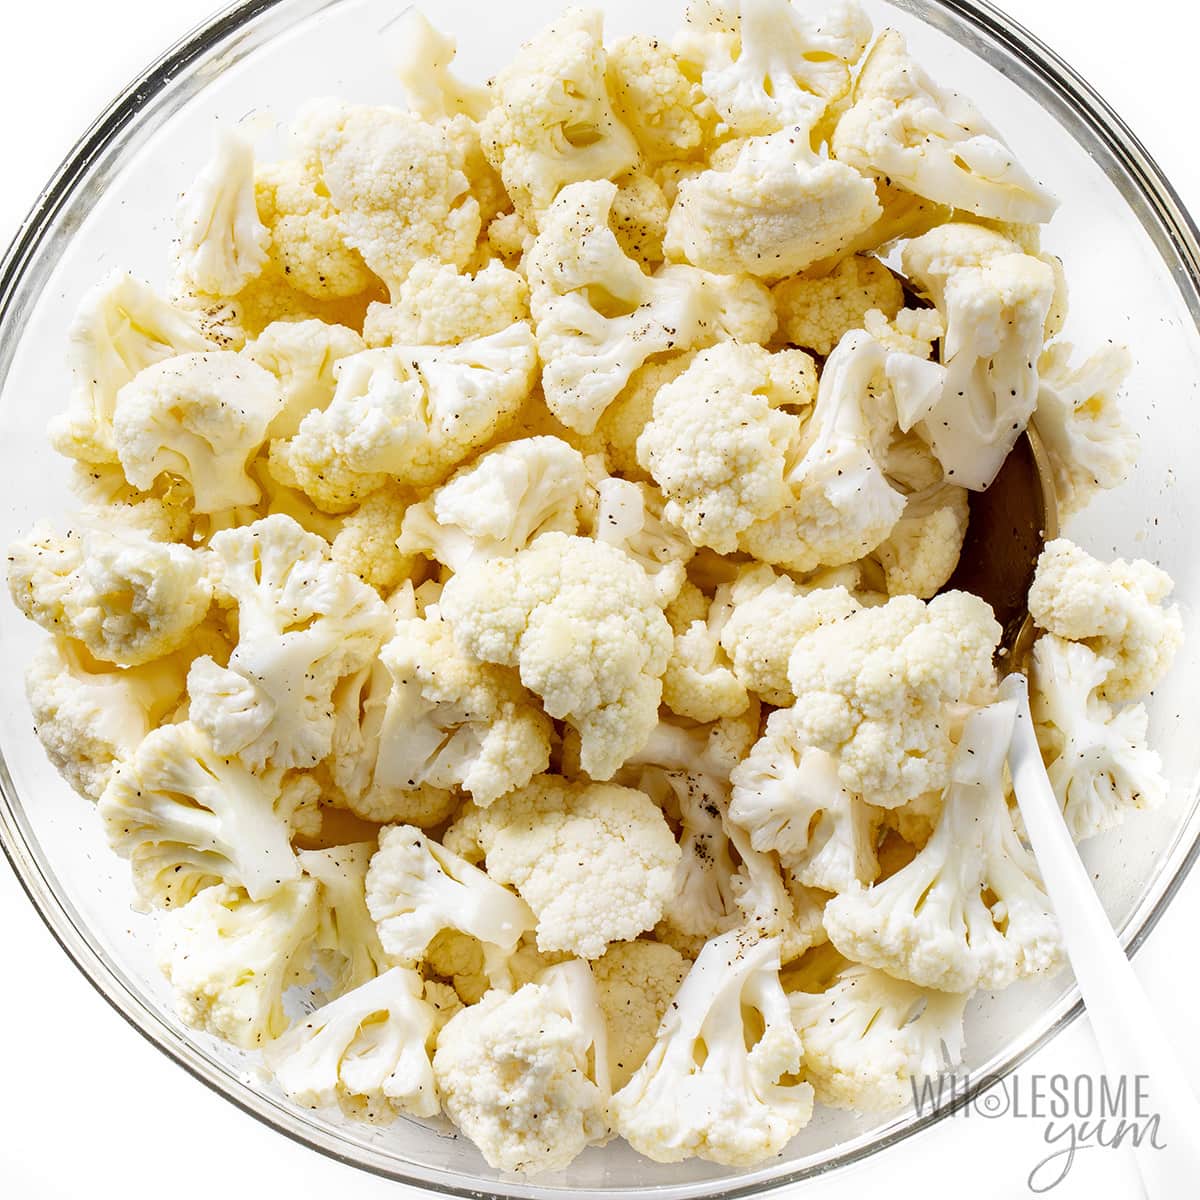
{"type": "Point", "coordinates": [594, 861]}
{"type": "Point", "coordinates": [921, 552]}
{"type": "Point", "coordinates": [969, 911]}
{"type": "Point", "coordinates": [406, 413]}
{"type": "Point", "coordinates": [514, 1075]}
{"type": "Point", "coordinates": [719, 438]}
{"type": "Point", "coordinates": [816, 311]}
{"type": "Point", "coordinates": [722, 1079]}
{"type": "Point", "coordinates": [883, 689]}
{"type": "Point", "coordinates": [365, 542]}
{"type": "Point", "coordinates": [552, 121]}
{"type": "Point", "coordinates": [1096, 757]}
{"type": "Point", "coordinates": [636, 982]}
{"type": "Point", "coordinates": [1117, 609]}
{"type": "Point", "coordinates": [126, 596]}
{"type": "Point", "coordinates": [594, 655]}
{"type": "Point", "coordinates": [700, 681]}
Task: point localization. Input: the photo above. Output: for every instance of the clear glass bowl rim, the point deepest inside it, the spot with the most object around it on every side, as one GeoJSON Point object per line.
{"type": "Point", "coordinates": [1163, 208]}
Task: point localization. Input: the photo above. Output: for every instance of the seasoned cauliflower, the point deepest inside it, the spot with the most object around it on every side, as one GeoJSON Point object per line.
{"type": "Point", "coordinates": [787, 796]}
{"type": "Point", "coordinates": [883, 689]}
{"type": "Point", "coordinates": [599, 316]}
{"type": "Point", "coordinates": [719, 439]}
{"type": "Point", "coordinates": [594, 655]}
{"type": "Point", "coordinates": [994, 301]}
{"type": "Point", "coordinates": [436, 305]}
{"type": "Point", "coordinates": [406, 413]}
{"type": "Point", "coordinates": [230, 959]}
{"type": "Point", "coordinates": [700, 681]}
{"type": "Point", "coordinates": [426, 55]}
{"type": "Point", "coordinates": [399, 185]}
{"type": "Point", "coordinates": [969, 911]}
{"type": "Point", "coordinates": [365, 542]}
{"type": "Point", "coordinates": [122, 326]}
{"type": "Point", "coordinates": [303, 624]}
{"type": "Point", "coordinates": [303, 356]}
{"type": "Point", "coordinates": [595, 862]}
{"type": "Point", "coordinates": [367, 1052]}
{"type": "Point", "coordinates": [635, 983]}
{"type": "Point", "coordinates": [816, 311]}
{"type": "Point", "coordinates": [89, 715]}
{"type": "Point", "coordinates": [222, 242]}
{"type": "Point", "coordinates": [771, 613]}
{"type": "Point", "coordinates": [499, 504]}
{"type": "Point", "coordinates": [721, 1081]}
{"type": "Point", "coordinates": [417, 888]}
{"type": "Point", "coordinates": [1090, 446]}
{"type": "Point", "coordinates": [1097, 758]}
{"type": "Point", "coordinates": [552, 122]}
{"type": "Point", "coordinates": [904, 128]}
{"type": "Point", "coordinates": [867, 1036]}
{"type": "Point", "coordinates": [126, 596]}
{"type": "Point", "coordinates": [921, 552]}
{"type": "Point", "coordinates": [524, 1074]}
{"type": "Point", "coordinates": [1117, 609]}
{"type": "Point", "coordinates": [201, 417]}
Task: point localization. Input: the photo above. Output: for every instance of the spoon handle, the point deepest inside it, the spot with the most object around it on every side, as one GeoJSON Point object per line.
{"type": "Point", "coordinates": [1127, 1030]}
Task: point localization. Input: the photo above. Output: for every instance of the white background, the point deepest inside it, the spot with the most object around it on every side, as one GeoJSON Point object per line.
{"type": "Point", "coordinates": [89, 1108]}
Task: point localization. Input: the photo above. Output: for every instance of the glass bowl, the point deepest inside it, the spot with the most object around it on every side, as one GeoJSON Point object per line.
{"type": "Point", "coordinates": [1132, 259]}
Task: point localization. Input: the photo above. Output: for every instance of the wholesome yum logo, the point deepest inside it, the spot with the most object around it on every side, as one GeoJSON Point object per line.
{"type": "Point", "coordinates": [1080, 1112]}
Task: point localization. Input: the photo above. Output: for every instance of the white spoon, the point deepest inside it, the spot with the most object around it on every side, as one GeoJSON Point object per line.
{"type": "Point", "coordinates": [1127, 1030]}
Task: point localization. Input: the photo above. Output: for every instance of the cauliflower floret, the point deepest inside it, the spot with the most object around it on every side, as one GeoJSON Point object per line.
{"type": "Point", "coordinates": [201, 417]}
{"type": "Point", "coordinates": [771, 613]}
{"type": "Point", "coordinates": [630, 517]}
{"type": "Point", "coordinates": [776, 210]}
{"type": "Point", "coordinates": [636, 982]}
{"type": "Point", "coordinates": [767, 64]}
{"type": "Point", "coordinates": [842, 505]}
{"type": "Point", "coordinates": [599, 316]}
{"type": "Point", "coordinates": [411, 413]}
{"type": "Point", "coordinates": [921, 552]}
{"type": "Point", "coordinates": [700, 682]}
{"type": "Point", "coordinates": [881, 690]}
{"type": "Point", "coordinates": [1090, 446]}
{"type": "Point", "coordinates": [816, 311]}
{"type": "Point", "coordinates": [638, 218]}
{"type": "Point", "coordinates": [453, 722]}
{"type": "Point", "coordinates": [126, 596]}
{"type": "Point", "coordinates": [365, 543]}
{"type": "Point", "coordinates": [122, 326]}
{"type": "Point", "coordinates": [437, 306]}
{"type": "Point", "coordinates": [1116, 609]}
{"type": "Point", "coordinates": [719, 437]}
{"type": "Point", "coordinates": [868, 1036]}
{"type": "Point", "coordinates": [933, 141]}
{"type": "Point", "coordinates": [398, 183]}
{"type": "Point", "coordinates": [969, 911]}
{"type": "Point", "coordinates": [302, 355]}
{"type": "Point", "coordinates": [188, 819]}
{"type": "Point", "coordinates": [89, 716]}
{"type": "Point", "coordinates": [651, 93]}
{"type": "Point", "coordinates": [347, 943]}
{"type": "Point", "coordinates": [508, 236]}
{"type": "Point", "coordinates": [417, 888]}
{"type": "Point", "coordinates": [994, 301]}
{"type": "Point", "coordinates": [788, 798]}
{"type": "Point", "coordinates": [423, 66]}
{"type": "Point", "coordinates": [1097, 759]}
{"type": "Point", "coordinates": [911, 331]}
{"type": "Point", "coordinates": [222, 242]}
{"type": "Point", "coordinates": [310, 260]}
{"type": "Point", "coordinates": [552, 123]}
{"type": "Point", "coordinates": [230, 959]}
{"type": "Point", "coordinates": [499, 504]}
{"type": "Point", "coordinates": [524, 1075]}
{"type": "Point", "coordinates": [365, 1052]}
{"type": "Point", "coordinates": [595, 862]}
{"type": "Point", "coordinates": [720, 1082]}
{"type": "Point", "coordinates": [303, 624]}
{"type": "Point", "coordinates": [594, 655]}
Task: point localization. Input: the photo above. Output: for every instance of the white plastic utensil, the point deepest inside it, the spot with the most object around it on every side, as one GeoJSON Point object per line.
{"type": "Point", "coordinates": [1127, 1030]}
